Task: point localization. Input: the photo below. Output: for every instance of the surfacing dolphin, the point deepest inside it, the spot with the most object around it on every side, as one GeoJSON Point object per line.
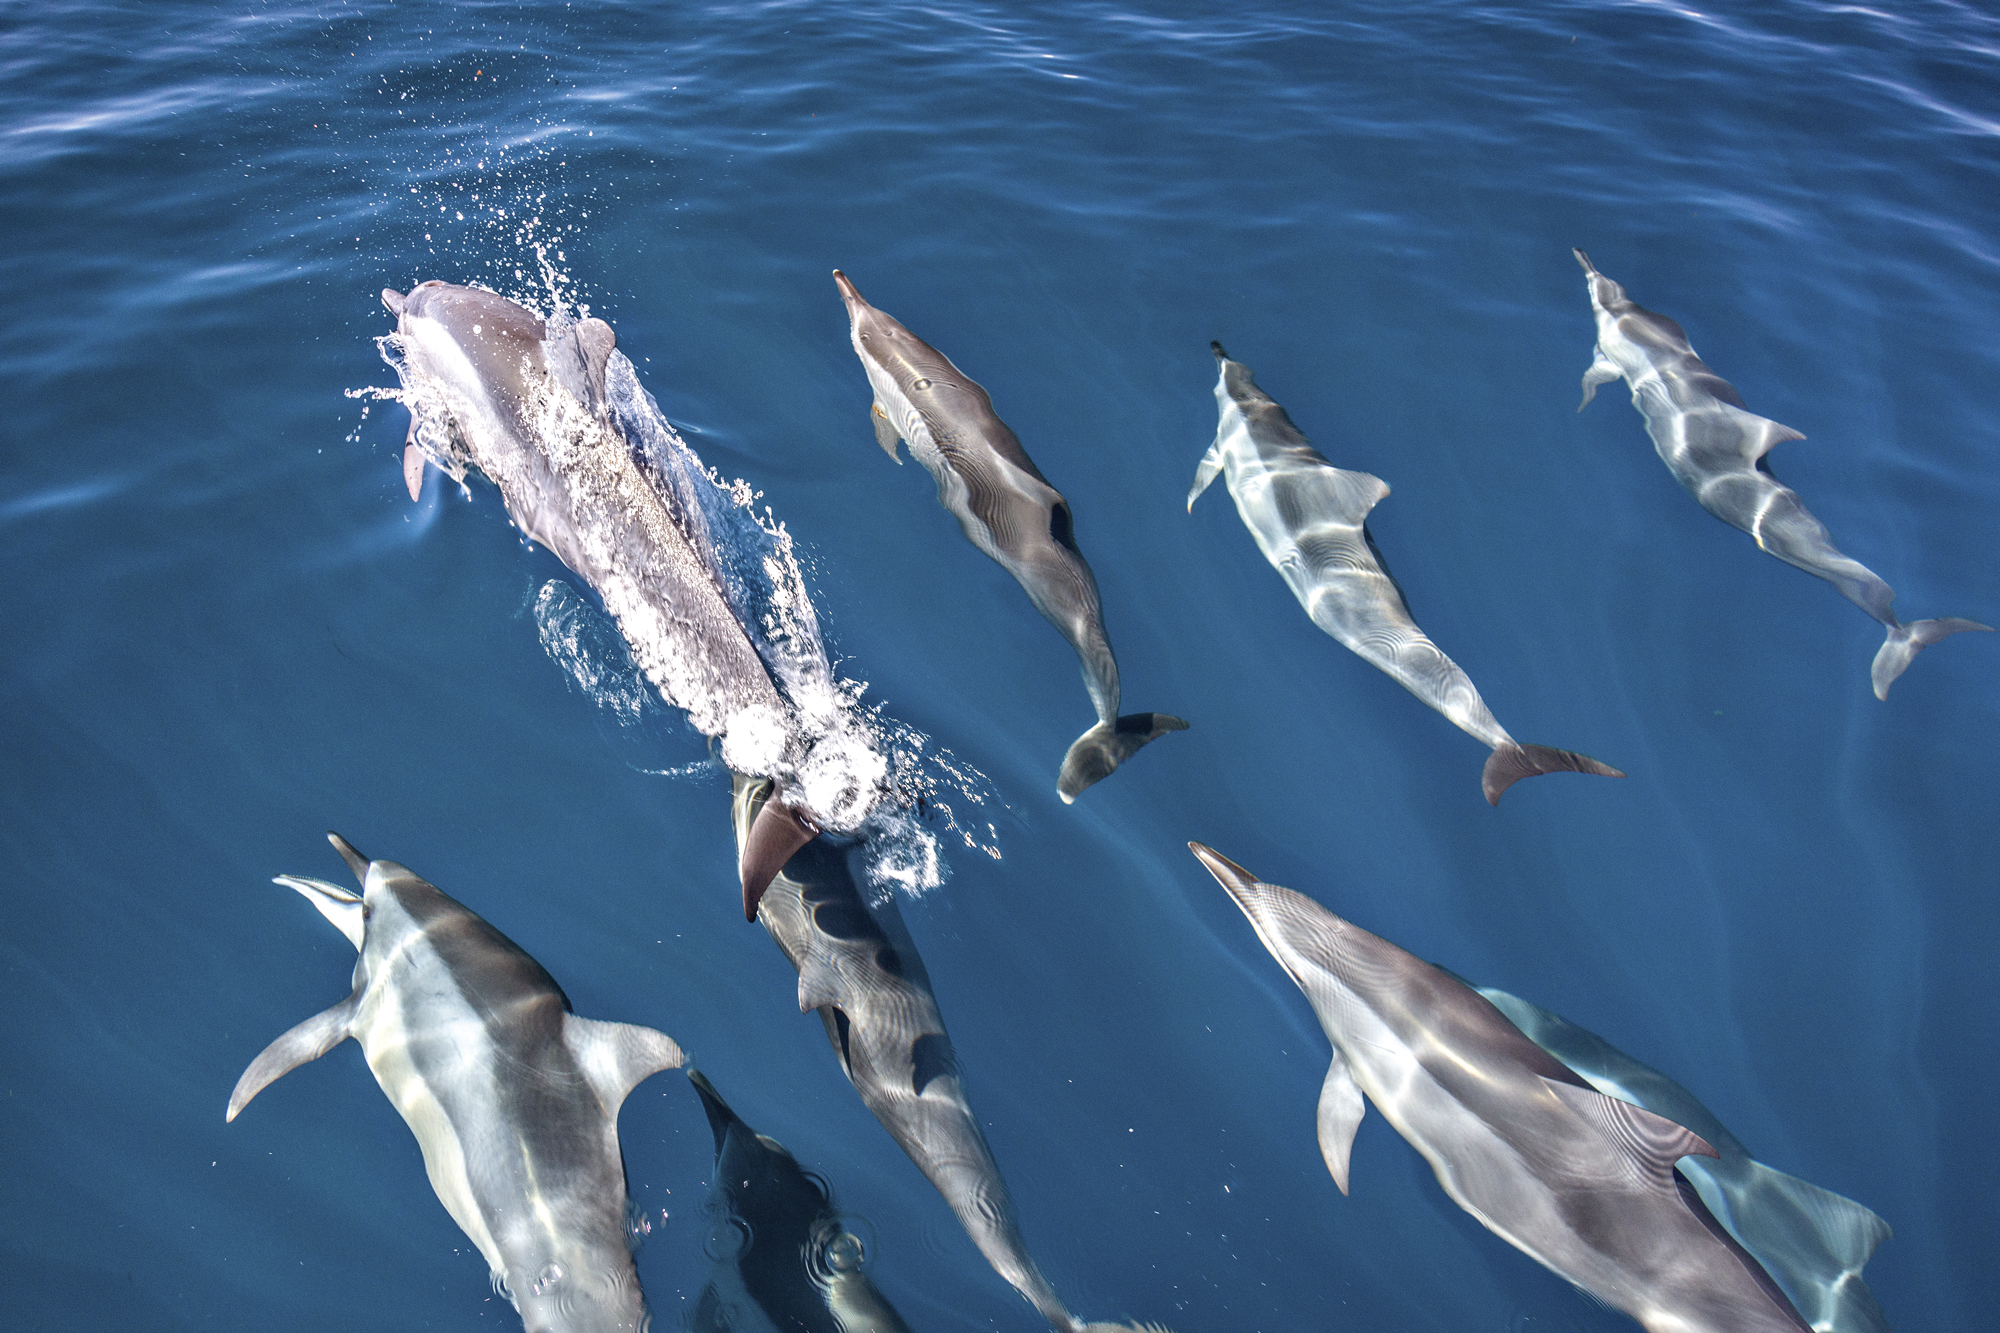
{"type": "Point", "coordinates": [793, 1267]}
{"type": "Point", "coordinates": [1811, 1241]}
{"type": "Point", "coordinates": [1582, 1182]}
{"type": "Point", "coordinates": [1007, 509]}
{"type": "Point", "coordinates": [527, 405]}
{"type": "Point", "coordinates": [1716, 448]}
{"type": "Point", "coordinates": [874, 996]}
{"type": "Point", "coordinates": [513, 1099]}
{"type": "Point", "coordinates": [1310, 520]}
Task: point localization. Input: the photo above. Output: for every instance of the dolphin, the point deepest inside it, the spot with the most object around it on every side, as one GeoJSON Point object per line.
{"type": "Point", "coordinates": [874, 996]}
{"type": "Point", "coordinates": [1811, 1241]}
{"type": "Point", "coordinates": [1310, 520]}
{"type": "Point", "coordinates": [1581, 1182]}
{"type": "Point", "coordinates": [513, 1099]}
{"type": "Point", "coordinates": [797, 1269]}
{"type": "Point", "coordinates": [1007, 508]}
{"type": "Point", "coordinates": [527, 404]}
{"type": "Point", "coordinates": [1716, 449]}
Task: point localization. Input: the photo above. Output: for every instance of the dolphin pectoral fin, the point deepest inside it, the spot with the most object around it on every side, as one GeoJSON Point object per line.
{"type": "Point", "coordinates": [617, 1057]}
{"type": "Point", "coordinates": [302, 1045]}
{"type": "Point", "coordinates": [886, 433]}
{"type": "Point", "coordinates": [1905, 641]}
{"type": "Point", "coordinates": [819, 983]}
{"type": "Point", "coordinates": [413, 465]}
{"type": "Point", "coordinates": [1651, 1143]}
{"type": "Point", "coordinates": [338, 905]}
{"type": "Point", "coordinates": [778, 831]}
{"type": "Point", "coordinates": [355, 860]}
{"type": "Point", "coordinates": [1341, 1107]}
{"type": "Point", "coordinates": [1508, 764]}
{"type": "Point", "coordinates": [1211, 467]}
{"type": "Point", "coordinates": [1098, 752]}
{"type": "Point", "coordinates": [1602, 370]}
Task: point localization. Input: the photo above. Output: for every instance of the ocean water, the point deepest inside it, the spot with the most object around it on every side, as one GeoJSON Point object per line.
{"type": "Point", "coordinates": [228, 629]}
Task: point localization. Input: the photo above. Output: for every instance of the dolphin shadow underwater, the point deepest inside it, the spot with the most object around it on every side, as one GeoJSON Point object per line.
{"type": "Point", "coordinates": [513, 1098]}
{"type": "Point", "coordinates": [1716, 448]}
{"type": "Point", "coordinates": [1006, 508]}
{"type": "Point", "coordinates": [860, 970]}
{"type": "Point", "coordinates": [1581, 1182]}
{"type": "Point", "coordinates": [1310, 520]}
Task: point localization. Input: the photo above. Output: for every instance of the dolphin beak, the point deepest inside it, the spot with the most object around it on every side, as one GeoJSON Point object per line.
{"type": "Point", "coordinates": [1584, 260]}
{"type": "Point", "coordinates": [720, 1117]}
{"type": "Point", "coordinates": [848, 291]}
{"type": "Point", "coordinates": [393, 299]}
{"type": "Point", "coordinates": [1220, 355]}
{"type": "Point", "coordinates": [1227, 873]}
{"type": "Point", "coordinates": [355, 860]}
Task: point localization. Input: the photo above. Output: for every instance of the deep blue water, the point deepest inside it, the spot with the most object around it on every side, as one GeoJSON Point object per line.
{"type": "Point", "coordinates": [229, 630]}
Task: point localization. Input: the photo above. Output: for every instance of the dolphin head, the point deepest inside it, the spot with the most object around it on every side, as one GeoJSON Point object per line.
{"type": "Point", "coordinates": [874, 333]}
{"type": "Point", "coordinates": [1604, 293]}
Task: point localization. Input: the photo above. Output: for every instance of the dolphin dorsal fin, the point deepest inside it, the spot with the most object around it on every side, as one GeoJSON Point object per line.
{"type": "Point", "coordinates": [1651, 1143]}
{"type": "Point", "coordinates": [820, 982]}
{"type": "Point", "coordinates": [1365, 488]}
{"type": "Point", "coordinates": [1760, 434]}
{"type": "Point", "coordinates": [595, 341]}
{"type": "Point", "coordinates": [1341, 1107]}
{"type": "Point", "coordinates": [617, 1057]}
{"type": "Point", "coordinates": [336, 904]}
{"type": "Point", "coordinates": [302, 1045]}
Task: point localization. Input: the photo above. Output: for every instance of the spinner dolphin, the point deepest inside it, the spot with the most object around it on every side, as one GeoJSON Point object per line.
{"type": "Point", "coordinates": [1716, 448]}
{"type": "Point", "coordinates": [1007, 509]}
{"type": "Point", "coordinates": [1310, 520]}
{"type": "Point", "coordinates": [1582, 1182]}
{"type": "Point", "coordinates": [513, 1099]}
{"type": "Point", "coordinates": [1811, 1241]}
{"type": "Point", "coordinates": [497, 389]}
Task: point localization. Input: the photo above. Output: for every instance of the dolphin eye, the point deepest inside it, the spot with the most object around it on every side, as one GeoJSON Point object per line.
{"type": "Point", "coordinates": [921, 384]}
{"type": "Point", "coordinates": [864, 337]}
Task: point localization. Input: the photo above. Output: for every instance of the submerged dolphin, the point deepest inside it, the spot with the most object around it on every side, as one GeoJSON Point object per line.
{"type": "Point", "coordinates": [1813, 1242]}
{"type": "Point", "coordinates": [796, 1269]}
{"type": "Point", "coordinates": [1310, 521]}
{"type": "Point", "coordinates": [1007, 509]}
{"type": "Point", "coordinates": [875, 998]}
{"type": "Point", "coordinates": [513, 1099]}
{"type": "Point", "coordinates": [528, 406]}
{"type": "Point", "coordinates": [1582, 1182]}
{"type": "Point", "coordinates": [1716, 449]}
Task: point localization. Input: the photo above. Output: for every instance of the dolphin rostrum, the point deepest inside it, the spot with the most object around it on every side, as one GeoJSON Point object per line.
{"type": "Point", "coordinates": [794, 1268]}
{"type": "Point", "coordinates": [1716, 449]}
{"type": "Point", "coordinates": [1007, 508]}
{"type": "Point", "coordinates": [527, 404]}
{"type": "Point", "coordinates": [873, 994]}
{"type": "Point", "coordinates": [513, 1099]}
{"type": "Point", "coordinates": [1811, 1241]}
{"type": "Point", "coordinates": [1582, 1182]}
{"type": "Point", "coordinates": [1310, 520]}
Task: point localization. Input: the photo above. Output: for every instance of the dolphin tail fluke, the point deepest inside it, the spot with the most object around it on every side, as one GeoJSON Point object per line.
{"type": "Point", "coordinates": [1509, 763]}
{"type": "Point", "coordinates": [1905, 641]}
{"type": "Point", "coordinates": [302, 1045]}
{"type": "Point", "coordinates": [1099, 751]}
{"type": "Point", "coordinates": [779, 830]}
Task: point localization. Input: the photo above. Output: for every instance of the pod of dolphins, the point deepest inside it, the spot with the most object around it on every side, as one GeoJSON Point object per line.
{"type": "Point", "coordinates": [1605, 1171]}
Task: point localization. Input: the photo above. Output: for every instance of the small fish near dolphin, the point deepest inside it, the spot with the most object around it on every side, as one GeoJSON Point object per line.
{"type": "Point", "coordinates": [513, 1098]}
{"type": "Point", "coordinates": [1310, 520]}
{"type": "Point", "coordinates": [794, 1267]}
{"type": "Point", "coordinates": [1584, 1183]}
{"type": "Point", "coordinates": [496, 388]}
{"type": "Point", "coordinates": [1717, 448]}
{"type": "Point", "coordinates": [1813, 1242]}
{"type": "Point", "coordinates": [874, 996]}
{"type": "Point", "coordinates": [1006, 508]}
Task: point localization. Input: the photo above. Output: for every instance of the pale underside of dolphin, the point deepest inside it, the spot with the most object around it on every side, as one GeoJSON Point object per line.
{"type": "Point", "coordinates": [1310, 519]}
{"type": "Point", "coordinates": [1583, 1183]}
{"type": "Point", "coordinates": [1717, 448]}
{"type": "Point", "coordinates": [794, 1268]}
{"type": "Point", "coordinates": [1813, 1242]}
{"type": "Point", "coordinates": [1006, 508]}
{"type": "Point", "coordinates": [874, 996]}
{"type": "Point", "coordinates": [513, 1099]}
{"type": "Point", "coordinates": [497, 389]}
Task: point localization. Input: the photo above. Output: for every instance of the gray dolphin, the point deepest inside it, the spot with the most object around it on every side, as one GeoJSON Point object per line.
{"type": "Point", "coordinates": [1716, 449]}
{"type": "Point", "coordinates": [873, 994]}
{"type": "Point", "coordinates": [1811, 1241]}
{"type": "Point", "coordinates": [528, 406]}
{"type": "Point", "coordinates": [1582, 1182]}
{"type": "Point", "coordinates": [1310, 520]}
{"type": "Point", "coordinates": [513, 1099]}
{"type": "Point", "coordinates": [795, 1268]}
{"type": "Point", "coordinates": [1007, 508]}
